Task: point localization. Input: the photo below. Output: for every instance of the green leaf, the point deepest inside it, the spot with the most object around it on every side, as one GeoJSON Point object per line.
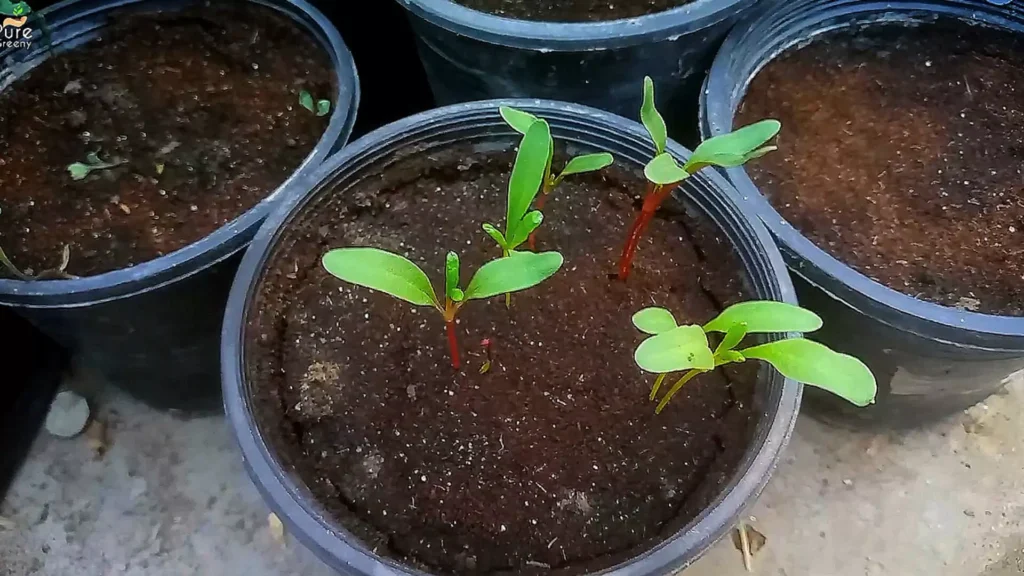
{"type": "Point", "coordinates": [733, 337]}
{"type": "Point", "coordinates": [79, 171]}
{"type": "Point", "coordinates": [728, 357]}
{"type": "Point", "coordinates": [323, 107]}
{"type": "Point", "coordinates": [496, 235]}
{"type": "Point", "coordinates": [587, 163]}
{"type": "Point", "coordinates": [654, 320]}
{"type": "Point", "coordinates": [451, 275]}
{"type": "Point", "coordinates": [306, 100]}
{"type": "Point", "coordinates": [457, 295]}
{"type": "Point", "coordinates": [815, 364]}
{"type": "Point", "coordinates": [526, 226]}
{"type": "Point", "coordinates": [519, 121]}
{"type": "Point", "coordinates": [513, 273]}
{"type": "Point", "coordinates": [652, 119]}
{"type": "Point", "coordinates": [527, 174]}
{"type": "Point", "coordinates": [93, 159]}
{"type": "Point", "coordinates": [383, 271]}
{"type": "Point", "coordinates": [735, 148]}
{"type": "Point", "coordinates": [19, 9]}
{"type": "Point", "coordinates": [682, 348]}
{"type": "Point", "coordinates": [765, 316]}
{"type": "Point", "coordinates": [664, 170]}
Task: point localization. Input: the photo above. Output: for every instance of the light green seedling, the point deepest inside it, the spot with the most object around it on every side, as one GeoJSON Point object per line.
{"type": "Point", "coordinates": [58, 273]}
{"type": "Point", "coordinates": [399, 277]}
{"type": "Point", "coordinates": [319, 107]}
{"type": "Point", "coordinates": [664, 174]}
{"type": "Point", "coordinates": [673, 348]}
{"type": "Point", "coordinates": [80, 170]}
{"type": "Point", "coordinates": [522, 122]}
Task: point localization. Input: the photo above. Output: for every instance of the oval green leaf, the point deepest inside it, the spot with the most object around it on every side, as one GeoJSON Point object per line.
{"type": "Point", "coordinates": [519, 121]}
{"type": "Point", "coordinates": [451, 275]}
{"type": "Point", "coordinates": [815, 364]}
{"type": "Point", "coordinates": [306, 100]}
{"type": "Point", "coordinates": [513, 273]}
{"type": "Point", "coordinates": [527, 174]}
{"type": "Point", "coordinates": [765, 316]}
{"type": "Point", "coordinates": [323, 107]}
{"type": "Point", "coordinates": [526, 226]}
{"type": "Point", "coordinates": [654, 320]}
{"type": "Point", "coordinates": [735, 148]}
{"type": "Point", "coordinates": [587, 163]}
{"type": "Point", "coordinates": [382, 271]}
{"type": "Point", "coordinates": [652, 119]}
{"type": "Point", "coordinates": [682, 348]}
{"type": "Point", "coordinates": [664, 170]}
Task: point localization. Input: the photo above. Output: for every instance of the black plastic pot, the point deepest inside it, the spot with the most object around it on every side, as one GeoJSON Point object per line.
{"type": "Point", "coordinates": [32, 369]}
{"type": "Point", "coordinates": [929, 360]}
{"type": "Point", "coordinates": [708, 194]}
{"type": "Point", "coordinates": [153, 329]}
{"type": "Point", "coordinates": [471, 55]}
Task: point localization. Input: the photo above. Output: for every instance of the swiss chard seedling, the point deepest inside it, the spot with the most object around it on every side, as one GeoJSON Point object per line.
{"type": "Point", "coordinates": [664, 174]}
{"type": "Point", "coordinates": [27, 275]}
{"type": "Point", "coordinates": [319, 107]}
{"type": "Point", "coordinates": [399, 277]}
{"type": "Point", "coordinates": [80, 170]}
{"type": "Point", "coordinates": [673, 348]}
{"type": "Point", "coordinates": [522, 122]}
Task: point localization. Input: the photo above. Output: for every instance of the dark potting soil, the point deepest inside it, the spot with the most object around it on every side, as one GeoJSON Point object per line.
{"type": "Point", "coordinates": [572, 10]}
{"type": "Point", "coordinates": [553, 458]}
{"type": "Point", "coordinates": [201, 110]}
{"type": "Point", "coordinates": [901, 154]}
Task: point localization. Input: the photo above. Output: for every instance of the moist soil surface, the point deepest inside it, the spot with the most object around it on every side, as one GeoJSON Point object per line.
{"type": "Point", "coordinates": [572, 10]}
{"type": "Point", "coordinates": [200, 112]}
{"type": "Point", "coordinates": [901, 154]}
{"type": "Point", "coordinates": [552, 458]}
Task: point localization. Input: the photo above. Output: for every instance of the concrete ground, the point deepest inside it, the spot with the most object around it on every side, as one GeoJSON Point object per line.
{"type": "Point", "coordinates": [169, 497]}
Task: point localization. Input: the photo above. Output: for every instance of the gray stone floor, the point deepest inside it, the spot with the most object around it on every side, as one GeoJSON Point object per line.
{"type": "Point", "coordinates": [170, 497]}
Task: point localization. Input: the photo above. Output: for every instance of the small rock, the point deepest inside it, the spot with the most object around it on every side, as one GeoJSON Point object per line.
{"type": "Point", "coordinates": [69, 413]}
{"type": "Point", "coordinates": [276, 528]}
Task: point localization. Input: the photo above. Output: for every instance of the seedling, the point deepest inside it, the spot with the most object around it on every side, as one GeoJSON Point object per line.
{"type": "Point", "coordinates": [320, 107]}
{"type": "Point", "coordinates": [673, 348]}
{"type": "Point", "coordinates": [52, 274]}
{"type": "Point", "coordinates": [399, 277]}
{"type": "Point", "coordinates": [522, 122]}
{"type": "Point", "coordinates": [664, 174]}
{"type": "Point", "coordinates": [80, 170]}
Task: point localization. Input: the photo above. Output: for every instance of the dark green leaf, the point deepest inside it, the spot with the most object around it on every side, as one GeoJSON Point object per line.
{"type": "Point", "coordinates": [664, 170]}
{"type": "Point", "coordinates": [654, 320]}
{"type": "Point", "coordinates": [735, 148]}
{"type": "Point", "coordinates": [519, 121]}
{"type": "Point", "coordinates": [383, 271]}
{"type": "Point", "coordinates": [815, 364]}
{"type": "Point", "coordinates": [682, 348]}
{"type": "Point", "coordinates": [733, 337]}
{"type": "Point", "coordinates": [513, 273]}
{"type": "Point", "coordinates": [306, 100]}
{"type": "Point", "coordinates": [527, 174]}
{"type": "Point", "coordinates": [526, 226]}
{"type": "Point", "coordinates": [323, 107]}
{"type": "Point", "coordinates": [652, 119]}
{"type": "Point", "coordinates": [451, 275]}
{"type": "Point", "coordinates": [765, 316]}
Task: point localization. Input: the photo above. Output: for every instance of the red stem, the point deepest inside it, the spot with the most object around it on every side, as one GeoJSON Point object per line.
{"type": "Point", "coordinates": [656, 194]}
{"type": "Point", "coordinates": [539, 206]}
{"type": "Point", "coordinates": [453, 343]}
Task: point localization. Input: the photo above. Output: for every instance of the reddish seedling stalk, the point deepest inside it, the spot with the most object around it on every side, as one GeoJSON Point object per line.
{"type": "Point", "coordinates": [653, 198]}
{"type": "Point", "coordinates": [451, 309]}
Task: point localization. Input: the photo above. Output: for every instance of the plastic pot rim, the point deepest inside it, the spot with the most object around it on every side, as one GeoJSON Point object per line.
{"type": "Point", "coordinates": [722, 96]}
{"type": "Point", "coordinates": [299, 509]}
{"type": "Point", "coordinates": [575, 36]}
{"type": "Point", "coordinates": [230, 238]}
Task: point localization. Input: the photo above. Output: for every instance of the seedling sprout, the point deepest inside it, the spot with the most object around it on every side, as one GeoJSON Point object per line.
{"type": "Point", "coordinates": [522, 122]}
{"type": "Point", "coordinates": [673, 348]}
{"type": "Point", "coordinates": [319, 107]}
{"type": "Point", "coordinates": [664, 174]}
{"type": "Point", "coordinates": [26, 275]}
{"type": "Point", "coordinates": [80, 170]}
{"type": "Point", "coordinates": [399, 277]}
